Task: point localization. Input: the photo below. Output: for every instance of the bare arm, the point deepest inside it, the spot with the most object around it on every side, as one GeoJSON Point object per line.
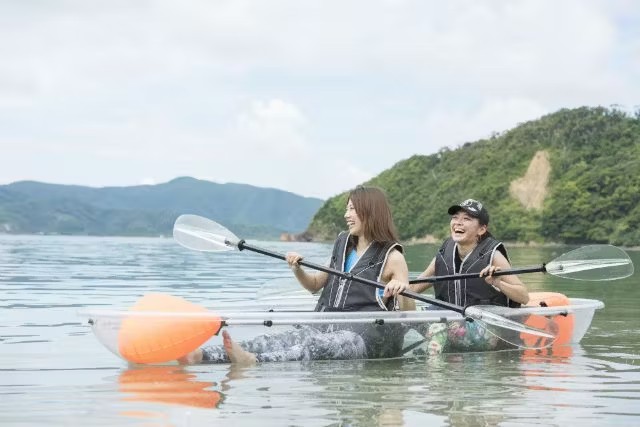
{"type": "Point", "coordinates": [312, 282]}
{"type": "Point", "coordinates": [430, 271]}
{"type": "Point", "coordinates": [509, 285]}
{"type": "Point", "coordinates": [396, 275]}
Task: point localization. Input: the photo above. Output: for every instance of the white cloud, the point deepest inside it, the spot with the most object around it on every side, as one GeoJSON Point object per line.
{"type": "Point", "coordinates": [274, 126]}
{"type": "Point", "coordinates": [148, 181]}
{"type": "Point", "coordinates": [269, 145]}
{"type": "Point", "coordinates": [311, 96]}
{"type": "Point", "coordinates": [453, 127]}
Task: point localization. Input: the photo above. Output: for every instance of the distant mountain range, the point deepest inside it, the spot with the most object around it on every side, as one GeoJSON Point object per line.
{"type": "Point", "coordinates": [569, 177]}
{"type": "Point", "coordinates": [248, 211]}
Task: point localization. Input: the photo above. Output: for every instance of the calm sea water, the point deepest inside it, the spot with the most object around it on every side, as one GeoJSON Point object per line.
{"type": "Point", "coordinates": [54, 372]}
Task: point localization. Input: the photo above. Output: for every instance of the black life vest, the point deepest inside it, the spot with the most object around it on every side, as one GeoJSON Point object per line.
{"type": "Point", "coordinates": [349, 295]}
{"type": "Point", "coordinates": [474, 291]}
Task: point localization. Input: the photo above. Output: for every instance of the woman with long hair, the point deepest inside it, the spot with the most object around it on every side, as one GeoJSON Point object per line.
{"type": "Point", "coordinates": [369, 249]}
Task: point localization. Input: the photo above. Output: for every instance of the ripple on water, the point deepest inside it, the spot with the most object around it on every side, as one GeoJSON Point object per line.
{"type": "Point", "coordinates": [54, 372]}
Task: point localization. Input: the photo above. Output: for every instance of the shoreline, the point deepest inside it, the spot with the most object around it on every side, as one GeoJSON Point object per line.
{"type": "Point", "coordinates": [512, 244]}
{"type": "Point", "coordinates": [517, 244]}
{"type": "Point", "coordinates": [427, 240]}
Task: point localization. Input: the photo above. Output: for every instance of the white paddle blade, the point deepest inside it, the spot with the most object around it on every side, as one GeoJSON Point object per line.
{"type": "Point", "coordinates": [493, 315]}
{"type": "Point", "coordinates": [202, 234]}
{"type": "Point", "coordinates": [594, 262]}
{"type": "Point", "coordinates": [515, 333]}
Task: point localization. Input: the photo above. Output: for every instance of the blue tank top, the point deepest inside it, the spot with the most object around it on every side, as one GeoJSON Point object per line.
{"type": "Point", "coordinates": [351, 260]}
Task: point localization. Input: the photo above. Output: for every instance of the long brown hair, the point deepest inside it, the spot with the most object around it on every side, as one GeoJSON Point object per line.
{"type": "Point", "coordinates": [373, 209]}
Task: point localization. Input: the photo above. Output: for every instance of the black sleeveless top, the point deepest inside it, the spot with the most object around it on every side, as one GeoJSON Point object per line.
{"type": "Point", "coordinates": [349, 295]}
{"type": "Point", "coordinates": [474, 291]}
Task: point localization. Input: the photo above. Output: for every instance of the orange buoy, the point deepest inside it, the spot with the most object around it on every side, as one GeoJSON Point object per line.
{"type": "Point", "coordinates": [159, 339]}
{"type": "Point", "coordinates": [559, 324]}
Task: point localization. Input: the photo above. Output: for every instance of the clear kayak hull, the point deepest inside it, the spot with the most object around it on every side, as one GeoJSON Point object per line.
{"type": "Point", "coordinates": [150, 335]}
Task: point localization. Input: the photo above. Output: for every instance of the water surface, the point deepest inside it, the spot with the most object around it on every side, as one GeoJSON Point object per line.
{"type": "Point", "coordinates": [54, 372]}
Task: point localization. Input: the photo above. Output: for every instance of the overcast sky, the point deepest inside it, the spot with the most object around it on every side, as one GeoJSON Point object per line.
{"type": "Point", "coordinates": [311, 97]}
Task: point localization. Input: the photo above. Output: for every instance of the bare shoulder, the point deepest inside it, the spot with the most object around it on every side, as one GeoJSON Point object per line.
{"type": "Point", "coordinates": [499, 260]}
{"type": "Point", "coordinates": [396, 267]}
{"type": "Point", "coordinates": [396, 255]}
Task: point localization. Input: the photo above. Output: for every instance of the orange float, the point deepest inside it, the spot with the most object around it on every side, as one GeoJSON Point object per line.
{"type": "Point", "coordinates": [559, 324]}
{"type": "Point", "coordinates": [159, 339]}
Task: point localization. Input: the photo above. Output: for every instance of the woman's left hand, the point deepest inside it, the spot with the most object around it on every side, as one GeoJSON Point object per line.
{"type": "Point", "coordinates": [394, 287]}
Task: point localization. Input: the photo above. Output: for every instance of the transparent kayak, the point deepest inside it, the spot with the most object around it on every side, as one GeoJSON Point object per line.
{"type": "Point", "coordinates": [148, 335]}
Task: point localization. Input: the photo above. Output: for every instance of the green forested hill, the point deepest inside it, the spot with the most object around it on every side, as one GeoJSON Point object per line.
{"type": "Point", "coordinates": [34, 207]}
{"type": "Point", "coordinates": [592, 191]}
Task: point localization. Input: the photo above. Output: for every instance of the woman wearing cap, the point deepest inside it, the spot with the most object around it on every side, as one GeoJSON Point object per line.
{"type": "Point", "coordinates": [472, 249]}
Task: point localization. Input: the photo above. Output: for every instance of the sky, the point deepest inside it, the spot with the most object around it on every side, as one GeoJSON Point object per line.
{"type": "Point", "coordinates": [312, 97]}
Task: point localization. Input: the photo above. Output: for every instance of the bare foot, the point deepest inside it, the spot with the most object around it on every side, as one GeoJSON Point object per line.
{"type": "Point", "coordinates": [434, 348]}
{"type": "Point", "coordinates": [236, 353]}
{"type": "Point", "coordinates": [193, 358]}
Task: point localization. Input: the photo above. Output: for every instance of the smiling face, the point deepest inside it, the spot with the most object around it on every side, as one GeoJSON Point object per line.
{"type": "Point", "coordinates": [465, 228]}
{"type": "Point", "coordinates": [354, 223]}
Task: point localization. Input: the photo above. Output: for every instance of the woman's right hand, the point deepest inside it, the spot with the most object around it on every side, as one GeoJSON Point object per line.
{"type": "Point", "coordinates": [293, 259]}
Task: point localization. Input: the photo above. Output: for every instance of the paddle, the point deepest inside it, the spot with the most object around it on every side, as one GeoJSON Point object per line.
{"type": "Point", "coordinates": [202, 234]}
{"type": "Point", "coordinates": [592, 263]}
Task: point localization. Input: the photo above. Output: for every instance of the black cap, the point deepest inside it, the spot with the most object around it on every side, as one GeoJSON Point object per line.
{"type": "Point", "coordinates": [473, 208]}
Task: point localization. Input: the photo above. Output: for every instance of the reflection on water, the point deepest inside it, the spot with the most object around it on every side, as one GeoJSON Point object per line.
{"type": "Point", "coordinates": [168, 384]}
{"type": "Point", "coordinates": [54, 372]}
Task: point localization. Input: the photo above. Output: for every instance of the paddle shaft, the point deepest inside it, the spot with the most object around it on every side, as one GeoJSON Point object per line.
{"type": "Point", "coordinates": [190, 227]}
{"type": "Point", "coordinates": [242, 245]}
{"type": "Point", "coordinates": [537, 269]}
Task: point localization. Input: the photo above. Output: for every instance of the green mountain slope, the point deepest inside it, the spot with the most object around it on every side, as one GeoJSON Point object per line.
{"type": "Point", "coordinates": [592, 192]}
{"type": "Point", "coordinates": [33, 207]}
